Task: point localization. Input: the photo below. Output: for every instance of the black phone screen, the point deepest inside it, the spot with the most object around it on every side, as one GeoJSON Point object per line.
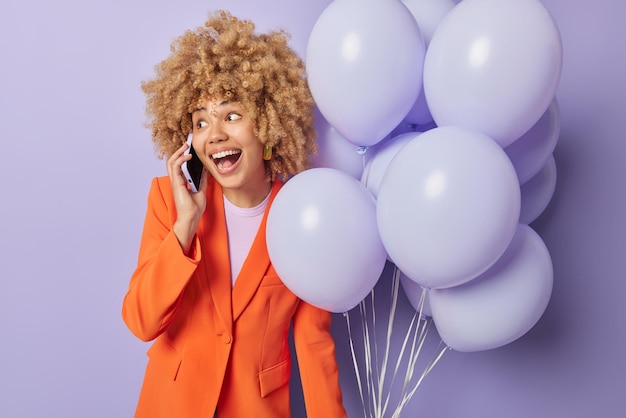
{"type": "Point", "coordinates": [194, 170]}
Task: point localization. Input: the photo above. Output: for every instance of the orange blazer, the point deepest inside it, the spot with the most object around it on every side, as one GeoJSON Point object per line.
{"type": "Point", "coordinates": [217, 345]}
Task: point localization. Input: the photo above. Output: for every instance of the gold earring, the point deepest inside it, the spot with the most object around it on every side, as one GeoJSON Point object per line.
{"type": "Point", "coordinates": [267, 152]}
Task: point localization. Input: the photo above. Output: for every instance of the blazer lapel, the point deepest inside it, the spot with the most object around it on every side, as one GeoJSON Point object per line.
{"type": "Point", "coordinates": [255, 265]}
{"type": "Point", "coordinates": [217, 260]}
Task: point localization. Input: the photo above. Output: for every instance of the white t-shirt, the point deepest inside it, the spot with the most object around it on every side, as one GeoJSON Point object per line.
{"type": "Point", "coordinates": [242, 225]}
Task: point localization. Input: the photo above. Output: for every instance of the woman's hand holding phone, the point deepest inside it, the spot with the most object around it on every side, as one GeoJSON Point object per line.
{"type": "Point", "coordinates": [189, 205]}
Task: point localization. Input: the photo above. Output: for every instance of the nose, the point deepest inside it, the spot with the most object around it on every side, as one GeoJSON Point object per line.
{"type": "Point", "coordinates": [217, 133]}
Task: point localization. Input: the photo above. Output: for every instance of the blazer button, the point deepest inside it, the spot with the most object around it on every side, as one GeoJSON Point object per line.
{"type": "Point", "coordinates": [226, 338]}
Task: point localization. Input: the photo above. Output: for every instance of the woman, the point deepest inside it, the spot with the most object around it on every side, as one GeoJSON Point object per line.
{"type": "Point", "coordinates": [204, 288]}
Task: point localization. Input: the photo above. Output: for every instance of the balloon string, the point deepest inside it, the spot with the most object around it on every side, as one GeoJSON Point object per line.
{"type": "Point", "coordinates": [354, 361]}
{"type": "Point", "coordinates": [427, 370]}
{"type": "Point", "coordinates": [368, 357]}
{"type": "Point", "coordinates": [410, 331]}
{"type": "Point", "coordinates": [374, 337]}
{"type": "Point", "coordinates": [371, 389]}
{"type": "Point", "coordinates": [401, 356]}
{"type": "Point", "coordinates": [395, 285]}
{"type": "Point", "coordinates": [376, 373]}
{"type": "Point", "coordinates": [418, 339]}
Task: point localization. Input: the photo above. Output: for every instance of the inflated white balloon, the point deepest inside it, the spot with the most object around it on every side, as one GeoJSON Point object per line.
{"type": "Point", "coordinates": [537, 192]}
{"type": "Point", "coordinates": [531, 152]}
{"type": "Point", "coordinates": [323, 240]}
{"type": "Point", "coordinates": [381, 156]}
{"type": "Point", "coordinates": [428, 14]}
{"type": "Point", "coordinates": [493, 66]}
{"type": "Point", "coordinates": [335, 151]}
{"type": "Point", "coordinates": [500, 305]}
{"type": "Point", "coordinates": [364, 62]}
{"type": "Point", "coordinates": [448, 206]}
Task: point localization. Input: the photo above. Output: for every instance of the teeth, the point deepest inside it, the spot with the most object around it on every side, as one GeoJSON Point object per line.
{"type": "Point", "coordinates": [223, 154]}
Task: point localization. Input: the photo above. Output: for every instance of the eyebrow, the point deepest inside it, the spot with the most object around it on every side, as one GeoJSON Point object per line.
{"type": "Point", "coordinates": [199, 109]}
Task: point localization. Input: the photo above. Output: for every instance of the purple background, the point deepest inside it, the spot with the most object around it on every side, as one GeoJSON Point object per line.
{"type": "Point", "coordinates": [76, 166]}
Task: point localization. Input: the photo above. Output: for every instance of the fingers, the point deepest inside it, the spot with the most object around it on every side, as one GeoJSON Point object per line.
{"type": "Point", "coordinates": [174, 163]}
{"type": "Point", "coordinates": [175, 160]}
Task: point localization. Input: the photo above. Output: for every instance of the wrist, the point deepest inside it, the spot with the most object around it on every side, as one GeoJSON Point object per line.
{"type": "Point", "coordinates": [185, 232]}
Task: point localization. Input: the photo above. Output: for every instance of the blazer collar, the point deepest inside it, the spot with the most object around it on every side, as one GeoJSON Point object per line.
{"type": "Point", "coordinates": [231, 301]}
{"type": "Point", "coordinates": [255, 265]}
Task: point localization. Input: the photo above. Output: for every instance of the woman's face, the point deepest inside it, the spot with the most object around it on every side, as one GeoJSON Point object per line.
{"type": "Point", "coordinates": [224, 139]}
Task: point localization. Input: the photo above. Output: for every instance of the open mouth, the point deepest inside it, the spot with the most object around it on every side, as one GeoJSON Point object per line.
{"type": "Point", "coordinates": [225, 160]}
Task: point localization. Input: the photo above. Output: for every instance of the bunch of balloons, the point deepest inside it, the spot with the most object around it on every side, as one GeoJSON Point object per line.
{"type": "Point", "coordinates": [437, 122]}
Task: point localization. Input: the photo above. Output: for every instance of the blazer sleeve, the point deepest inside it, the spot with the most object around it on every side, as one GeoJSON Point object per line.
{"type": "Point", "coordinates": [163, 270]}
{"type": "Point", "coordinates": [315, 349]}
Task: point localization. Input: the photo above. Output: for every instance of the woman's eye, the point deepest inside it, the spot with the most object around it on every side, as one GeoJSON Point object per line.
{"type": "Point", "coordinates": [201, 124]}
{"type": "Point", "coordinates": [233, 116]}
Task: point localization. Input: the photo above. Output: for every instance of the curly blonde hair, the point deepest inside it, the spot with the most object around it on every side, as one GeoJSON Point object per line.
{"type": "Point", "coordinates": [225, 59]}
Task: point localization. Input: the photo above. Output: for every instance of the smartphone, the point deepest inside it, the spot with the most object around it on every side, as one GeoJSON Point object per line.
{"type": "Point", "coordinates": [192, 169]}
